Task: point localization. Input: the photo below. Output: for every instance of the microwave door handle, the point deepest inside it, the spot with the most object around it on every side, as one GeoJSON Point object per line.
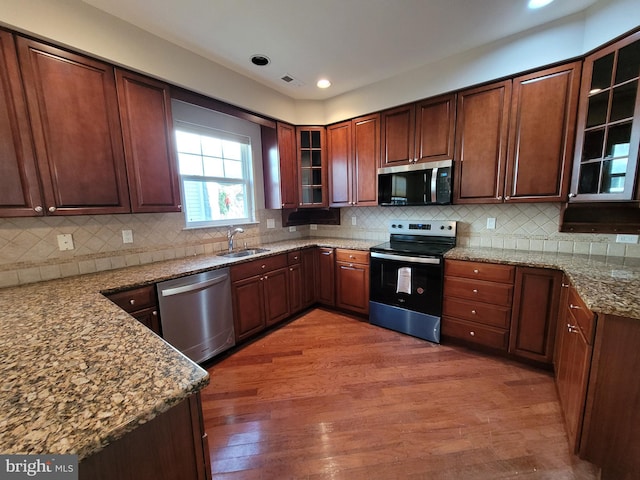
{"type": "Point", "coordinates": [434, 184]}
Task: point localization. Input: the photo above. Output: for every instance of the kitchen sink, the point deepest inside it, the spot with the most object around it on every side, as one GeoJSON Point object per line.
{"type": "Point", "coordinates": [243, 253]}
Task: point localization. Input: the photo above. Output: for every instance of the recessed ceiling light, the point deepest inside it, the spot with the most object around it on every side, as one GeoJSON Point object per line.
{"type": "Point", "coordinates": [260, 60]}
{"type": "Point", "coordinates": [323, 83]}
{"type": "Point", "coordinates": [533, 4]}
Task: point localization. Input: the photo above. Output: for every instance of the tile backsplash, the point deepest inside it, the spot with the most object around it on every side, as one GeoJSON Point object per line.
{"type": "Point", "coordinates": [29, 249]}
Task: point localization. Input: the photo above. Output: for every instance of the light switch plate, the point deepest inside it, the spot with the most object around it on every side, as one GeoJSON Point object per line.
{"type": "Point", "coordinates": [354, 220]}
{"type": "Point", "coordinates": [271, 223]}
{"type": "Point", "coordinates": [491, 223]}
{"type": "Point", "coordinates": [292, 229]}
{"type": "Point", "coordinates": [127, 236]}
{"type": "Point", "coordinates": [313, 226]}
{"type": "Point", "coordinates": [65, 242]}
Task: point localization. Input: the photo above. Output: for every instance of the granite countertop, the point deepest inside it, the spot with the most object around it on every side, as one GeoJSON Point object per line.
{"type": "Point", "coordinates": [607, 285]}
{"type": "Point", "coordinates": [78, 372]}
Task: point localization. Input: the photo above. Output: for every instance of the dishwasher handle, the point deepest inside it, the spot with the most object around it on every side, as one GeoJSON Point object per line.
{"type": "Point", "coordinates": [193, 287]}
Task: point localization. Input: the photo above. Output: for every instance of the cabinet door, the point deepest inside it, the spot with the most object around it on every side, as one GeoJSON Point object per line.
{"type": "Point", "coordinates": [339, 154]}
{"type": "Point", "coordinates": [366, 155]}
{"type": "Point", "coordinates": [535, 313]}
{"type": "Point", "coordinates": [295, 287]}
{"type": "Point", "coordinates": [312, 167]}
{"type": "Point", "coordinates": [19, 190]}
{"type": "Point", "coordinates": [325, 289]}
{"type": "Point", "coordinates": [543, 115]}
{"type": "Point", "coordinates": [149, 318]}
{"type": "Point", "coordinates": [276, 295]}
{"type": "Point", "coordinates": [608, 128]}
{"type": "Point", "coordinates": [308, 258]}
{"type": "Point", "coordinates": [288, 165]}
{"type": "Point", "coordinates": [397, 137]}
{"type": "Point", "coordinates": [435, 126]}
{"type": "Point", "coordinates": [481, 143]}
{"type": "Point", "coordinates": [147, 127]}
{"type": "Point", "coordinates": [73, 107]}
{"type": "Point", "coordinates": [248, 307]}
{"type": "Point", "coordinates": [352, 287]}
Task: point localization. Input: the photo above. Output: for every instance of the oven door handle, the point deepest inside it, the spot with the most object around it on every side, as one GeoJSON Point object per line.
{"type": "Point", "coordinates": [404, 258]}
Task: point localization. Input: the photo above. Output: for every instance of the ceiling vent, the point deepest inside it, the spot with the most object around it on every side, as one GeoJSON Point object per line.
{"type": "Point", "coordinates": [291, 80]}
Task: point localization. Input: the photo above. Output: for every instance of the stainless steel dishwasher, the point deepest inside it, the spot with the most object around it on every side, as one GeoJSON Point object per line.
{"type": "Point", "coordinates": [196, 314]}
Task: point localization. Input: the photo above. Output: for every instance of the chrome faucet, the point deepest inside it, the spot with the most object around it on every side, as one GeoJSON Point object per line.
{"type": "Point", "coordinates": [231, 234]}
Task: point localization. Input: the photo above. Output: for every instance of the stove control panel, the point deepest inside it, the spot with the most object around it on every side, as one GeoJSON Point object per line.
{"type": "Point", "coordinates": [433, 228]}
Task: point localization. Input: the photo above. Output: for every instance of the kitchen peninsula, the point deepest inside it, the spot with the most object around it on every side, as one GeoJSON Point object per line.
{"type": "Point", "coordinates": [80, 373]}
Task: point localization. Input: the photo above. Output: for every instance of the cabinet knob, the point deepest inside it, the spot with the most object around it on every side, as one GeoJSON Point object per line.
{"type": "Point", "coordinates": [154, 313]}
{"type": "Point", "coordinates": [38, 209]}
{"type": "Point", "coordinates": [52, 209]}
{"type": "Point", "coordinates": [499, 197]}
{"type": "Point", "coordinates": [473, 334]}
{"type": "Point", "coordinates": [475, 290]}
{"type": "Point", "coordinates": [282, 205]}
{"type": "Point", "coordinates": [290, 269]}
{"type": "Point", "coordinates": [475, 270]}
{"type": "Point", "coordinates": [572, 328]}
{"type": "Point", "coordinates": [565, 285]}
{"type": "Point", "coordinates": [572, 195]}
{"type": "Point", "coordinates": [473, 312]}
{"type": "Point", "coordinates": [263, 266]}
{"type": "Point", "coordinates": [132, 301]}
{"type": "Point", "coordinates": [507, 197]}
{"type": "Point", "coordinates": [574, 307]}
{"type": "Point", "coordinates": [180, 207]}
{"type": "Point", "coordinates": [266, 277]}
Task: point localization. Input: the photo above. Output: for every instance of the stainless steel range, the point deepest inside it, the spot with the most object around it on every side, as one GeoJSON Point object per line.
{"type": "Point", "coordinates": [407, 275]}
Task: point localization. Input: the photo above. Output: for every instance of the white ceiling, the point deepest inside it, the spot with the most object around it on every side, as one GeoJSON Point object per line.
{"type": "Point", "coordinates": [351, 42]}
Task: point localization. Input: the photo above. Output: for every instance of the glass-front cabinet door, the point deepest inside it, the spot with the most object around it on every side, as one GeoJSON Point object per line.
{"type": "Point", "coordinates": [312, 167]}
{"type": "Point", "coordinates": [608, 130]}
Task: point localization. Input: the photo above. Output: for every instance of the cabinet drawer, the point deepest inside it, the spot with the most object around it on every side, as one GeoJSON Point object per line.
{"type": "Point", "coordinates": [479, 290]}
{"type": "Point", "coordinates": [352, 256]}
{"type": "Point", "coordinates": [135, 299]}
{"type": "Point", "coordinates": [293, 257]}
{"type": "Point", "coordinates": [472, 332]}
{"type": "Point", "coordinates": [479, 270]}
{"type": "Point", "coordinates": [256, 267]}
{"type": "Point", "coordinates": [582, 315]}
{"type": "Point", "coordinates": [483, 313]}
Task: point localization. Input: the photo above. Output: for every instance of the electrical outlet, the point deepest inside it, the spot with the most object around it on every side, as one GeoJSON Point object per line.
{"type": "Point", "coordinates": [127, 236]}
{"type": "Point", "coordinates": [626, 238]}
{"type": "Point", "coordinates": [292, 229]}
{"type": "Point", "coordinates": [271, 223]}
{"type": "Point", "coordinates": [65, 242]}
{"type": "Point", "coordinates": [313, 226]}
{"type": "Point", "coordinates": [354, 220]}
{"type": "Point", "coordinates": [491, 223]}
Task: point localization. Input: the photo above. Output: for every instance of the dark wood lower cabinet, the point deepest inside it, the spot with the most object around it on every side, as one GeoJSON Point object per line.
{"type": "Point", "coordinates": [142, 304]}
{"type": "Point", "coordinates": [171, 446]}
{"type": "Point", "coordinates": [325, 277]}
{"type": "Point", "coordinates": [308, 261]}
{"type": "Point", "coordinates": [534, 313]}
{"type": "Point", "coordinates": [352, 280]}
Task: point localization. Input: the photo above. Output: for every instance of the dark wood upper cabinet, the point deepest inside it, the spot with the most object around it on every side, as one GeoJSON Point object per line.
{"type": "Point", "coordinates": [280, 166]}
{"type": "Point", "coordinates": [435, 127]}
{"type": "Point", "coordinates": [312, 167]}
{"type": "Point", "coordinates": [147, 128]}
{"type": "Point", "coordinates": [608, 131]}
{"type": "Point", "coordinates": [353, 150]}
{"type": "Point", "coordinates": [514, 139]}
{"type": "Point", "coordinates": [73, 108]}
{"type": "Point", "coordinates": [481, 143]}
{"type": "Point", "coordinates": [19, 187]}
{"type": "Point", "coordinates": [541, 132]}
{"type": "Point", "coordinates": [397, 134]}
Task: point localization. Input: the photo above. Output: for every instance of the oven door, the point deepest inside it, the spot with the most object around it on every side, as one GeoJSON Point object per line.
{"type": "Point", "coordinates": [412, 283]}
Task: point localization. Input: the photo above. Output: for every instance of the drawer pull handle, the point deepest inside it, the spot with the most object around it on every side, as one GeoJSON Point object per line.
{"type": "Point", "coordinates": [473, 334]}
{"type": "Point", "coordinates": [475, 270]}
{"type": "Point", "coordinates": [475, 290]}
{"type": "Point", "coordinates": [473, 312]}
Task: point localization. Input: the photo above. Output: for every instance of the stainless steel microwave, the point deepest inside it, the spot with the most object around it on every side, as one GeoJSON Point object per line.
{"type": "Point", "coordinates": [418, 184]}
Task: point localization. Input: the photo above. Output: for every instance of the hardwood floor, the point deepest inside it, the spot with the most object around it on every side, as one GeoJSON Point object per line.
{"type": "Point", "coordinates": [330, 396]}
